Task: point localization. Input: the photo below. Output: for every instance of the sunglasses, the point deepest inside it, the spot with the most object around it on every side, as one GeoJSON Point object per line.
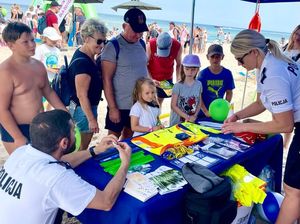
{"type": "Point", "coordinates": [241, 59]}
{"type": "Point", "coordinates": [99, 41]}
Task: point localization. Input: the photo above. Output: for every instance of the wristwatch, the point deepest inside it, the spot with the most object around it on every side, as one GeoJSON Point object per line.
{"type": "Point", "coordinates": [92, 151]}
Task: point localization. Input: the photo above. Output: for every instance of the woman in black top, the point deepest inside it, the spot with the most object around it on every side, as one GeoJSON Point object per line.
{"type": "Point", "coordinates": [86, 80]}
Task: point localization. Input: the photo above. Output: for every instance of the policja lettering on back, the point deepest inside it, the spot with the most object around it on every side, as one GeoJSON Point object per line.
{"type": "Point", "coordinates": [10, 185]}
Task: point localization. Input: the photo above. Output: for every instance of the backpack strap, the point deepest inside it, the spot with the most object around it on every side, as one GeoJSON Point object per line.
{"type": "Point", "coordinates": [143, 44]}
{"type": "Point", "coordinates": [66, 61]}
{"type": "Point", "coordinates": [116, 45]}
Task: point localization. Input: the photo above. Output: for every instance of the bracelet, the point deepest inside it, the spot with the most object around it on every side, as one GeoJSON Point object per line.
{"type": "Point", "coordinates": [150, 129]}
{"type": "Point", "coordinates": [92, 151]}
{"type": "Point", "coordinates": [188, 117]}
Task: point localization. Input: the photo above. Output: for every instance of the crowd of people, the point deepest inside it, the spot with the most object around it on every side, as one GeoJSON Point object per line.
{"type": "Point", "coordinates": [130, 71]}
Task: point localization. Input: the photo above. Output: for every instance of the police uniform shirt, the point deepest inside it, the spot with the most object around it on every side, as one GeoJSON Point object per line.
{"type": "Point", "coordinates": [32, 189]}
{"type": "Point", "coordinates": [279, 85]}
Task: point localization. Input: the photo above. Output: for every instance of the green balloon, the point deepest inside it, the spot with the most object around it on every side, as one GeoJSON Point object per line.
{"type": "Point", "coordinates": [4, 12]}
{"type": "Point", "coordinates": [218, 109]}
{"type": "Point", "coordinates": [77, 139]}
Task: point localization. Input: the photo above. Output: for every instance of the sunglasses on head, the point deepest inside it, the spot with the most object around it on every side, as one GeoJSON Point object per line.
{"type": "Point", "coordinates": [241, 59]}
{"type": "Point", "coordinates": [99, 41]}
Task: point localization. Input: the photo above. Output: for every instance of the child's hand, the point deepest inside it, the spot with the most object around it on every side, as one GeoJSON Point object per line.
{"type": "Point", "coordinates": [193, 118]}
{"type": "Point", "coordinates": [207, 114]}
{"type": "Point", "coordinates": [161, 126]}
{"type": "Point", "coordinates": [158, 127]}
{"type": "Point", "coordinates": [157, 83]}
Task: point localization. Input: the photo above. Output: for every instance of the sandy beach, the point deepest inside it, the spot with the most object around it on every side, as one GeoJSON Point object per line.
{"type": "Point", "coordinates": [228, 62]}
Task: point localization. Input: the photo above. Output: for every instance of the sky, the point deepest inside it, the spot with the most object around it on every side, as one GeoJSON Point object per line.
{"type": "Point", "coordinates": [281, 17]}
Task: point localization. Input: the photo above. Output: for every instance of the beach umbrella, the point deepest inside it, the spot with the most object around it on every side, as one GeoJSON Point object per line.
{"type": "Point", "coordinates": [88, 1]}
{"type": "Point", "coordinates": [136, 4]}
{"type": "Point", "coordinates": [271, 1]}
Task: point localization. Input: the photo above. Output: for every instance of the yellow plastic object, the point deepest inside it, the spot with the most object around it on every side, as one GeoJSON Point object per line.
{"type": "Point", "coordinates": [247, 188]}
{"type": "Point", "coordinates": [162, 116]}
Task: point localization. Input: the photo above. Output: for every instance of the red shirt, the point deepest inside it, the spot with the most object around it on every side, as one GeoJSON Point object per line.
{"type": "Point", "coordinates": [51, 18]}
{"type": "Point", "coordinates": [161, 68]}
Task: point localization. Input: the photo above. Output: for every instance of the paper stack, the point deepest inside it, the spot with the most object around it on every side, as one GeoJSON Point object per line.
{"type": "Point", "coordinates": [167, 179]}
{"type": "Point", "coordinates": [140, 187]}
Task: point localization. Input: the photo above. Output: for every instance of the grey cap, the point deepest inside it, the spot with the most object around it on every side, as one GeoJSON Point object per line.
{"type": "Point", "coordinates": [215, 49]}
{"type": "Point", "coordinates": [164, 44]}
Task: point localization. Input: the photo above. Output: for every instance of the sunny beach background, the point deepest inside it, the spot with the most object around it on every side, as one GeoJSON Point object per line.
{"type": "Point", "coordinates": [114, 20]}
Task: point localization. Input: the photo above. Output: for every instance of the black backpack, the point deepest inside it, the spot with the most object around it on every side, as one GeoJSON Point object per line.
{"type": "Point", "coordinates": [61, 83]}
{"type": "Point", "coordinates": [211, 207]}
{"type": "Point", "coordinates": [42, 24]}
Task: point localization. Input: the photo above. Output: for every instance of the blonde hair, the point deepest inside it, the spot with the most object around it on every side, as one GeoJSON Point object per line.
{"type": "Point", "coordinates": [247, 40]}
{"type": "Point", "coordinates": [290, 45]}
{"type": "Point", "coordinates": [91, 26]}
{"type": "Point", "coordinates": [137, 91]}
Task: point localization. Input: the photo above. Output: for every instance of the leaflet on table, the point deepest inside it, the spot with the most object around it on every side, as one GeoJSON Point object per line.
{"type": "Point", "coordinates": [210, 124]}
{"type": "Point", "coordinates": [219, 150]}
{"type": "Point", "coordinates": [140, 187]}
{"type": "Point", "coordinates": [197, 157]}
{"type": "Point", "coordinates": [167, 179]}
{"type": "Point", "coordinates": [230, 143]}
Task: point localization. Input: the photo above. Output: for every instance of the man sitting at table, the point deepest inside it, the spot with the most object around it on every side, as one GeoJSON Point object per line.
{"type": "Point", "coordinates": [36, 180]}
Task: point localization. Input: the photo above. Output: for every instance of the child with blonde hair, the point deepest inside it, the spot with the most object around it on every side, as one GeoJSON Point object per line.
{"type": "Point", "coordinates": [48, 53]}
{"type": "Point", "coordinates": [186, 101]}
{"type": "Point", "coordinates": [144, 114]}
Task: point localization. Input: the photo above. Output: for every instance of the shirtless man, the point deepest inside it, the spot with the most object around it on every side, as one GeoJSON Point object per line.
{"type": "Point", "coordinates": [23, 84]}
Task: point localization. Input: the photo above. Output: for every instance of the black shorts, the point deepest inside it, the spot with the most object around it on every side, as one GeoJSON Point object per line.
{"type": "Point", "coordinates": [118, 127]}
{"type": "Point", "coordinates": [161, 93]}
{"type": "Point", "coordinates": [292, 170]}
{"type": "Point", "coordinates": [6, 137]}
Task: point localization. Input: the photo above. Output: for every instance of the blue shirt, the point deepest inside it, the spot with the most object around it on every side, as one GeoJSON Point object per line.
{"type": "Point", "coordinates": [215, 85]}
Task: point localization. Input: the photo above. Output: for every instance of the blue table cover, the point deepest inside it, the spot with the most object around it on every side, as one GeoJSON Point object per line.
{"type": "Point", "coordinates": [169, 208]}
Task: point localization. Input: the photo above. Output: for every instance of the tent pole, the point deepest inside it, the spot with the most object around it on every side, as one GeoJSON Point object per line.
{"type": "Point", "coordinates": [244, 93]}
{"type": "Point", "coordinates": [192, 28]}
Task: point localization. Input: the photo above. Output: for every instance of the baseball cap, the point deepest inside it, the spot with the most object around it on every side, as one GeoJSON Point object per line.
{"type": "Point", "coordinates": [163, 43]}
{"type": "Point", "coordinates": [215, 49]}
{"type": "Point", "coordinates": [54, 3]}
{"type": "Point", "coordinates": [191, 60]}
{"type": "Point", "coordinates": [51, 33]}
{"type": "Point", "coordinates": [137, 20]}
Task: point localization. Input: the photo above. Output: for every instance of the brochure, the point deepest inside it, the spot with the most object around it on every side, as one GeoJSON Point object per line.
{"type": "Point", "coordinates": [140, 187]}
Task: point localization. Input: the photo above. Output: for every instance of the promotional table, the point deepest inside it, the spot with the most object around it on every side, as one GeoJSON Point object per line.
{"type": "Point", "coordinates": [169, 208]}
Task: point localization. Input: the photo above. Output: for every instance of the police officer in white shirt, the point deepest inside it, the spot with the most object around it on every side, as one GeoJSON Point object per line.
{"type": "Point", "coordinates": [278, 87]}
{"type": "Point", "coordinates": [35, 180]}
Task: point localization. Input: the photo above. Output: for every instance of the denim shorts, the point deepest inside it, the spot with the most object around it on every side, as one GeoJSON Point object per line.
{"type": "Point", "coordinates": [81, 120]}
